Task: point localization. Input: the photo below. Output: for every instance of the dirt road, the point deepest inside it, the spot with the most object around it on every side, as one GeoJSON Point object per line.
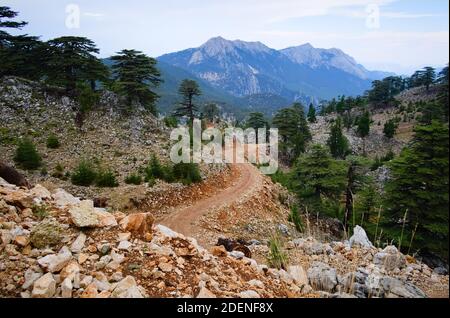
{"type": "Point", "coordinates": [182, 220]}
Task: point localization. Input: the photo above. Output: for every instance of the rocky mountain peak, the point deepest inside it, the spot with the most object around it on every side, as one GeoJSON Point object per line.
{"type": "Point", "coordinates": [242, 68]}
{"type": "Point", "coordinates": [317, 57]}
{"type": "Point", "coordinates": [221, 46]}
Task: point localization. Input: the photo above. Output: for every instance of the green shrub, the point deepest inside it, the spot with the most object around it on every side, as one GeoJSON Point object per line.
{"type": "Point", "coordinates": [44, 171]}
{"type": "Point", "coordinates": [87, 99]}
{"type": "Point", "coordinates": [390, 128]}
{"type": "Point", "coordinates": [378, 162]}
{"type": "Point", "coordinates": [133, 179]}
{"type": "Point", "coordinates": [151, 182]}
{"type": "Point", "coordinates": [59, 171]}
{"type": "Point", "coordinates": [295, 218]}
{"type": "Point", "coordinates": [27, 156]}
{"type": "Point", "coordinates": [187, 173]}
{"type": "Point", "coordinates": [40, 211]}
{"type": "Point", "coordinates": [6, 137]}
{"type": "Point", "coordinates": [277, 257]}
{"type": "Point", "coordinates": [106, 179]}
{"type": "Point", "coordinates": [84, 175]}
{"type": "Point", "coordinates": [388, 157]}
{"type": "Point", "coordinates": [53, 142]}
{"type": "Point", "coordinates": [281, 178]}
{"type": "Point", "coordinates": [155, 170]}
{"type": "Point", "coordinates": [171, 121]}
{"type": "Point", "coordinates": [66, 176]}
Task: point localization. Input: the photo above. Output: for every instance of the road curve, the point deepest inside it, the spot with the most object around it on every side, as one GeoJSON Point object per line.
{"type": "Point", "coordinates": [182, 220]}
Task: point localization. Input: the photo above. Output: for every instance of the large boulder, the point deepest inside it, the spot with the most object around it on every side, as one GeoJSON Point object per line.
{"type": "Point", "coordinates": [30, 277]}
{"type": "Point", "coordinates": [63, 199]}
{"type": "Point", "coordinates": [78, 244]}
{"type": "Point", "coordinates": [139, 224]}
{"type": "Point", "coordinates": [359, 238]}
{"type": "Point", "coordinates": [249, 294]}
{"type": "Point", "coordinates": [84, 214]}
{"type": "Point", "coordinates": [355, 283]}
{"type": "Point", "coordinates": [44, 287]}
{"type": "Point", "coordinates": [56, 262]}
{"type": "Point", "coordinates": [322, 277]}
{"type": "Point", "coordinates": [298, 274]}
{"type": "Point", "coordinates": [205, 293]}
{"type": "Point", "coordinates": [395, 288]}
{"type": "Point", "coordinates": [127, 288]}
{"type": "Point", "coordinates": [165, 231]}
{"type": "Point", "coordinates": [12, 176]}
{"type": "Point", "coordinates": [47, 233]}
{"type": "Point", "coordinates": [390, 258]}
{"type": "Point", "coordinates": [105, 218]}
{"type": "Point", "coordinates": [374, 284]}
{"type": "Point", "coordinates": [40, 193]}
{"type": "Point", "coordinates": [18, 198]}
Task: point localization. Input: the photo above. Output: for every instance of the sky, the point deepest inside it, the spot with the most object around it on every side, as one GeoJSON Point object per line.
{"type": "Point", "coordinates": [390, 35]}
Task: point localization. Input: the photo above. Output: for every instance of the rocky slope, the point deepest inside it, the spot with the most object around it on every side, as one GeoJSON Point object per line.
{"type": "Point", "coordinates": [56, 245]}
{"type": "Point", "coordinates": [375, 144]}
{"type": "Point", "coordinates": [108, 138]}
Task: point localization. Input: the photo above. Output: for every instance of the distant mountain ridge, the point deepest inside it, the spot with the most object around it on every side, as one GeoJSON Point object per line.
{"type": "Point", "coordinates": [316, 58]}
{"type": "Point", "coordinates": [251, 68]}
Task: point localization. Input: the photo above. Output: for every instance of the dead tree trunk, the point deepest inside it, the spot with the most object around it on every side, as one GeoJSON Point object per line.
{"type": "Point", "coordinates": [349, 197]}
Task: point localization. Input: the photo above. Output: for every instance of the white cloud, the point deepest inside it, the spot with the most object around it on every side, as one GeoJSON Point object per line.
{"type": "Point", "coordinates": [93, 14]}
{"type": "Point", "coordinates": [405, 15]}
{"type": "Point", "coordinates": [273, 11]}
{"type": "Point", "coordinates": [362, 14]}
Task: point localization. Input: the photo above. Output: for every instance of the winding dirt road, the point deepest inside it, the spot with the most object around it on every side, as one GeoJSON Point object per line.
{"type": "Point", "coordinates": [182, 220]}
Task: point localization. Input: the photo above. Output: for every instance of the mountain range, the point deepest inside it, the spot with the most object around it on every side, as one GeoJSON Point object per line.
{"type": "Point", "coordinates": [251, 76]}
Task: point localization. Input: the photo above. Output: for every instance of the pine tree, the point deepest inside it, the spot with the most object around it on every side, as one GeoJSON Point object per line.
{"type": "Point", "coordinates": [256, 120]}
{"type": "Point", "coordinates": [341, 106]}
{"type": "Point", "coordinates": [136, 75]}
{"type": "Point", "coordinates": [27, 156]}
{"type": "Point", "coordinates": [211, 112]}
{"type": "Point", "coordinates": [363, 129]}
{"type": "Point", "coordinates": [24, 56]}
{"type": "Point", "coordinates": [286, 123]}
{"type": "Point", "coordinates": [337, 142]}
{"type": "Point", "coordinates": [419, 186]}
{"type": "Point", "coordinates": [383, 91]}
{"type": "Point", "coordinates": [390, 127]}
{"type": "Point", "coordinates": [348, 120]}
{"type": "Point", "coordinates": [71, 60]}
{"type": "Point", "coordinates": [357, 168]}
{"type": "Point", "coordinates": [6, 14]}
{"type": "Point", "coordinates": [431, 111]}
{"type": "Point", "coordinates": [428, 76]}
{"type": "Point", "coordinates": [312, 114]}
{"type": "Point", "coordinates": [293, 130]}
{"type": "Point", "coordinates": [188, 90]}
{"type": "Point", "coordinates": [367, 202]}
{"type": "Point", "coordinates": [316, 176]}
{"type": "Point", "coordinates": [442, 98]}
